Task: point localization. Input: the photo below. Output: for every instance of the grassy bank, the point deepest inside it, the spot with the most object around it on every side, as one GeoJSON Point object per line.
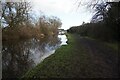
{"type": "Point", "coordinates": [113, 45]}
{"type": "Point", "coordinates": [73, 60]}
{"type": "Point", "coordinates": [67, 61]}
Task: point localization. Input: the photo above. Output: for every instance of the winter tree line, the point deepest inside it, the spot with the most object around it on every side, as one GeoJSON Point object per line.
{"type": "Point", "coordinates": [17, 22]}
{"type": "Point", "coordinates": [104, 24]}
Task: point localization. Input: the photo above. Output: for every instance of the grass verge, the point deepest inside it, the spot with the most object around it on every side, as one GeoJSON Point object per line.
{"type": "Point", "coordinates": [113, 45]}
{"type": "Point", "coordinates": [65, 62]}
{"type": "Point", "coordinates": [71, 61]}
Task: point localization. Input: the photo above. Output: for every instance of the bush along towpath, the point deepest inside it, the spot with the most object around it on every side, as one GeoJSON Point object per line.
{"type": "Point", "coordinates": [82, 58]}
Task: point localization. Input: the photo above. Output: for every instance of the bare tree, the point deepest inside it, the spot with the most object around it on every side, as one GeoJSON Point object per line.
{"type": "Point", "coordinates": [98, 7]}
{"type": "Point", "coordinates": [15, 13]}
{"type": "Point", "coordinates": [90, 4]}
{"type": "Point", "coordinates": [55, 22]}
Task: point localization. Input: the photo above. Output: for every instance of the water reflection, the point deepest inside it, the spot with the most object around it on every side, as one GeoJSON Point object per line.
{"type": "Point", "coordinates": [20, 56]}
{"type": "Point", "coordinates": [63, 39]}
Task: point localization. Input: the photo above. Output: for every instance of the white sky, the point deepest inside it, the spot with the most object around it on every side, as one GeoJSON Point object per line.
{"type": "Point", "coordinates": [66, 10]}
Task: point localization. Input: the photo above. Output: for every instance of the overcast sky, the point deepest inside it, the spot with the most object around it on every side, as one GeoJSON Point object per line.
{"type": "Point", "coordinates": [66, 10]}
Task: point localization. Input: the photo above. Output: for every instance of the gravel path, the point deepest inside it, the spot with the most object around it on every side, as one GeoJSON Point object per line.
{"type": "Point", "coordinates": [104, 58]}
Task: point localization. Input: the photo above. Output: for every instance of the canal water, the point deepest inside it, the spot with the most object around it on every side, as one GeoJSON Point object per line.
{"type": "Point", "coordinates": [20, 56]}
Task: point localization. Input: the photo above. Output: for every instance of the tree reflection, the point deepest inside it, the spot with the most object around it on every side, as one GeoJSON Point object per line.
{"type": "Point", "coordinates": [20, 56]}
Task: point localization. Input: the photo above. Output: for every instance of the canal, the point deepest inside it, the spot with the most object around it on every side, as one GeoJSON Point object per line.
{"type": "Point", "coordinates": [20, 56]}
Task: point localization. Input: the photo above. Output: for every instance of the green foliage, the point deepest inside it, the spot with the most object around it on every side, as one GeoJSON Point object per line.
{"type": "Point", "coordinates": [105, 30]}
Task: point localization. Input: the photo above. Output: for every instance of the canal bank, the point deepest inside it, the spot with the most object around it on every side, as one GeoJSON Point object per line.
{"type": "Point", "coordinates": [82, 57]}
{"type": "Point", "coordinates": [18, 57]}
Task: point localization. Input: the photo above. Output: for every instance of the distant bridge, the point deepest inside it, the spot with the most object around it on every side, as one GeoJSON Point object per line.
{"type": "Point", "coordinates": [62, 31]}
